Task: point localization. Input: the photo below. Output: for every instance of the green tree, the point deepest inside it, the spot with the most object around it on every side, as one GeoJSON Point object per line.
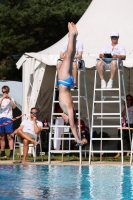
{"type": "Point", "coordinates": [30, 26]}
{"type": "Point", "coordinates": [33, 25]}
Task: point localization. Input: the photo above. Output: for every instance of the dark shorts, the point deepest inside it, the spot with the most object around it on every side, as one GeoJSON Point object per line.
{"type": "Point", "coordinates": [20, 139]}
{"type": "Point", "coordinates": [6, 128]}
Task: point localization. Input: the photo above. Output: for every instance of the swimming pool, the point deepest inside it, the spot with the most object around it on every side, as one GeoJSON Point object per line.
{"type": "Point", "coordinates": [66, 182]}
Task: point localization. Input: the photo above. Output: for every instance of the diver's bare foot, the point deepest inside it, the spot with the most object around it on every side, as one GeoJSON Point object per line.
{"type": "Point", "coordinates": [71, 28]}
{"type": "Point", "coordinates": [75, 28]}
{"type": "Point", "coordinates": [117, 155]}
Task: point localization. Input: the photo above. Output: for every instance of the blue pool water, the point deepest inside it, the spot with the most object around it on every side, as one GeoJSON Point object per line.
{"type": "Point", "coordinates": [66, 182]}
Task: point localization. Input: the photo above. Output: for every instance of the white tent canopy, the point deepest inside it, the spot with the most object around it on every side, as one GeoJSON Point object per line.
{"type": "Point", "coordinates": [95, 26]}
{"type": "Point", "coordinates": [101, 17]}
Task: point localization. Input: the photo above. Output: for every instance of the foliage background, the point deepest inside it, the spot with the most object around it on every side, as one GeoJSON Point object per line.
{"type": "Point", "coordinates": [33, 25]}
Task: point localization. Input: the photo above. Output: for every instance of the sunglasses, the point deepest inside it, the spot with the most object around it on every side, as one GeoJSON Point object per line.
{"type": "Point", "coordinates": [114, 37]}
{"type": "Point", "coordinates": [5, 92]}
{"type": "Point", "coordinates": [128, 99]}
{"type": "Point", "coordinates": [34, 113]}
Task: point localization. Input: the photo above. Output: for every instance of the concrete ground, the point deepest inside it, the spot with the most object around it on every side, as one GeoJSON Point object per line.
{"type": "Point", "coordinates": [84, 163]}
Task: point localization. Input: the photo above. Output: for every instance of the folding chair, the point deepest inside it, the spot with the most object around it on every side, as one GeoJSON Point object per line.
{"type": "Point", "coordinates": [20, 145]}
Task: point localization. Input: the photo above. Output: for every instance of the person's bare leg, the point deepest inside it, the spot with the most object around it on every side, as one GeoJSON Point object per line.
{"type": "Point", "coordinates": [75, 72]}
{"type": "Point", "coordinates": [26, 136]}
{"type": "Point", "coordinates": [113, 67]}
{"type": "Point", "coordinates": [10, 141]}
{"type": "Point", "coordinates": [117, 155]}
{"type": "Point", "coordinates": [100, 69]}
{"type": "Point", "coordinates": [2, 142]}
{"type": "Point", "coordinates": [25, 150]}
{"type": "Point", "coordinates": [58, 66]}
{"type": "Point", "coordinates": [63, 73]}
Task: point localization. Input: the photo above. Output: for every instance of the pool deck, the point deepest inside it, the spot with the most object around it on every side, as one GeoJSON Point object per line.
{"type": "Point", "coordinates": [76, 163]}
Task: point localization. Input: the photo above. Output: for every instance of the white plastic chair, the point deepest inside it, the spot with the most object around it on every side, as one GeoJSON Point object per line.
{"type": "Point", "coordinates": [20, 146]}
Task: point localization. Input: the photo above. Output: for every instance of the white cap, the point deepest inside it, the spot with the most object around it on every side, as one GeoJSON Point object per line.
{"type": "Point", "coordinates": [114, 33]}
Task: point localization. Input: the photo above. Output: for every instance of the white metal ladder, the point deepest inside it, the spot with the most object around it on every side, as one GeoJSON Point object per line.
{"type": "Point", "coordinates": [76, 100]}
{"type": "Point", "coordinates": [102, 115]}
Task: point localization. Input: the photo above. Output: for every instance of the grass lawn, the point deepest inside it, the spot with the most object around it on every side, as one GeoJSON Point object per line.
{"type": "Point", "coordinates": [67, 157]}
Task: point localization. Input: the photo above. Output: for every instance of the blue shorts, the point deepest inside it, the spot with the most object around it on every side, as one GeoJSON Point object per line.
{"type": "Point", "coordinates": [69, 82]}
{"type": "Point", "coordinates": [6, 128]}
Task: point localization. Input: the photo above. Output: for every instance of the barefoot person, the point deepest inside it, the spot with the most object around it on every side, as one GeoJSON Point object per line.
{"type": "Point", "coordinates": [66, 81]}
{"type": "Point", "coordinates": [27, 131]}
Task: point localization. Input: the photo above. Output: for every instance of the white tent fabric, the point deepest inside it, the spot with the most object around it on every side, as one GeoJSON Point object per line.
{"type": "Point", "coordinates": [33, 72]}
{"type": "Point", "coordinates": [15, 91]}
{"type": "Point", "coordinates": [95, 26]}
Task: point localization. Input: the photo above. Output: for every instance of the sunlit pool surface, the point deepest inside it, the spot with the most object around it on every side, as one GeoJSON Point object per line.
{"type": "Point", "coordinates": [66, 182]}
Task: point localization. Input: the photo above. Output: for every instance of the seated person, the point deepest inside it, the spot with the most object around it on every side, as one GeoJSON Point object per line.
{"type": "Point", "coordinates": [78, 56]}
{"type": "Point", "coordinates": [27, 132]}
{"type": "Point", "coordinates": [117, 51]}
{"type": "Point", "coordinates": [129, 100]}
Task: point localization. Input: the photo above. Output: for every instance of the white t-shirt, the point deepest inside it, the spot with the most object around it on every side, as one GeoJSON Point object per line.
{"type": "Point", "coordinates": [29, 127]}
{"type": "Point", "coordinates": [117, 49]}
{"type": "Point", "coordinates": [130, 113]}
{"type": "Point", "coordinates": [6, 108]}
{"type": "Point", "coordinates": [79, 47]}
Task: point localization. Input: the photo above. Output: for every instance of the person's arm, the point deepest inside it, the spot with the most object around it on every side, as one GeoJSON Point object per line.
{"type": "Point", "coordinates": [123, 113]}
{"type": "Point", "coordinates": [63, 50]}
{"type": "Point", "coordinates": [101, 56]}
{"type": "Point", "coordinates": [78, 55]}
{"type": "Point", "coordinates": [72, 124]}
{"type": "Point", "coordinates": [122, 57]}
{"type": "Point", "coordinates": [12, 103]}
{"type": "Point", "coordinates": [37, 128]}
{"type": "Point", "coordinates": [1, 100]}
{"type": "Point", "coordinates": [62, 55]}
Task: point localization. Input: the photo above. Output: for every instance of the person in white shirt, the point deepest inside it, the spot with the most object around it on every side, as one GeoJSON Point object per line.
{"type": "Point", "coordinates": [27, 131]}
{"type": "Point", "coordinates": [6, 106]}
{"type": "Point", "coordinates": [117, 51]}
{"type": "Point", "coordinates": [77, 57]}
{"type": "Point", "coordinates": [129, 100]}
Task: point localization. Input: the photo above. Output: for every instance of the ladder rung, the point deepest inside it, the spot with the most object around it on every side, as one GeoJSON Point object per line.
{"type": "Point", "coordinates": [107, 118]}
{"type": "Point", "coordinates": [77, 96]}
{"type": "Point", "coordinates": [106, 126]}
{"type": "Point", "coordinates": [62, 138]}
{"type": "Point", "coordinates": [75, 90]}
{"type": "Point", "coordinates": [112, 97]}
{"type": "Point", "coordinates": [106, 89]}
{"type": "Point", "coordinates": [106, 151]}
{"type": "Point", "coordinates": [105, 138]}
{"type": "Point", "coordinates": [106, 101]}
{"type": "Point", "coordinates": [64, 151]}
{"type": "Point", "coordinates": [106, 114]}
{"type": "Point", "coordinates": [58, 126]}
{"type": "Point", "coordinates": [57, 113]}
{"type": "Point", "coordinates": [73, 101]}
